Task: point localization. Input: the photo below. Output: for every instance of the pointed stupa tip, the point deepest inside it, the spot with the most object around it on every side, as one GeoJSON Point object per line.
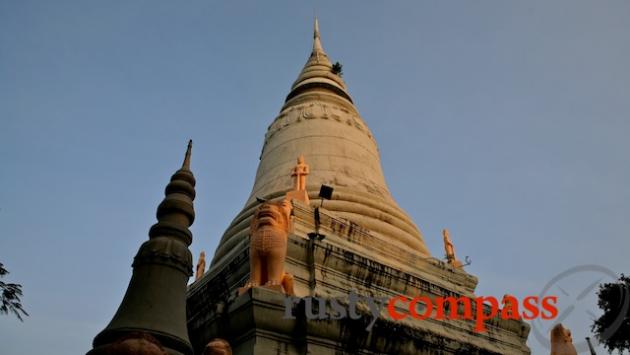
{"type": "Point", "coordinates": [178, 201]}
{"type": "Point", "coordinates": [186, 164]}
{"type": "Point", "coordinates": [317, 43]}
{"type": "Point", "coordinates": [318, 72]}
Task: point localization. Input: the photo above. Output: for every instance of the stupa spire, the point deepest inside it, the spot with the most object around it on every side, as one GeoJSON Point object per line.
{"type": "Point", "coordinates": [152, 315]}
{"type": "Point", "coordinates": [320, 121]}
{"type": "Point", "coordinates": [318, 72]}
{"type": "Point", "coordinates": [317, 42]}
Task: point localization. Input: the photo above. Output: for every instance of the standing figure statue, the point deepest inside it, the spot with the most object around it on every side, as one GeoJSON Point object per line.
{"type": "Point", "coordinates": [201, 266]}
{"type": "Point", "coordinates": [450, 250]}
{"type": "Point", "coordinates": [300, 171]}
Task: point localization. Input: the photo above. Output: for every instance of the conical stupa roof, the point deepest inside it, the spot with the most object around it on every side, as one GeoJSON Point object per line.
{"type": "Point", "coordinates": [319, 121]}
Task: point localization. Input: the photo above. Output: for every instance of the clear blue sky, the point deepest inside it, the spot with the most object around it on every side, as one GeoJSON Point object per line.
{"type": "Point", "coordinates": [504, 121]}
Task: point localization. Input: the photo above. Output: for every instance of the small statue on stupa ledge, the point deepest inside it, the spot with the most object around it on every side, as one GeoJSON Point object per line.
{"type": "Point", "coordinates": [299, 172]}
{"type": "Point", "coordinates": [269, 232]}
{"type": "Point", "coordinates": [201, 266]}
{"type": "Point", "coordinates": [450, 250]}
{"type": "Point", "coordinates": [561, 341]}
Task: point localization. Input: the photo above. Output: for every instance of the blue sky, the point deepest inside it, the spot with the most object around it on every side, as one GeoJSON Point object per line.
{"type": "Point", "coordinates": [504, 121]}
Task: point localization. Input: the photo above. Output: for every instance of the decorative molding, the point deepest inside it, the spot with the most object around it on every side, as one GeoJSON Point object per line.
{"type": "Point", "coordinates": [316, 110]}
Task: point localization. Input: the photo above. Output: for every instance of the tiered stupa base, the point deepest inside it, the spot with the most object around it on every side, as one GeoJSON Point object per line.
{"type": "Point", "coordinates": [255, 322]}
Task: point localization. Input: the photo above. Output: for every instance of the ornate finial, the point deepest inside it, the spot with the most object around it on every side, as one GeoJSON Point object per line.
{"type": "Point", "coordinates": [186, 164]}
{"type": "Point", "coordinates": [176, 213]}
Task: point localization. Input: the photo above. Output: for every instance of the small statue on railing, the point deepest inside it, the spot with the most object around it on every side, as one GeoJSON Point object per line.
{"type": "Point", "coordinates": [450, 250]}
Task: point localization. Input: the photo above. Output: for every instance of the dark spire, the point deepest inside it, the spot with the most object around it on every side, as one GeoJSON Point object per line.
{"type": "Point", "coordinates": [176, 213]}
{"type": "Point", "coordinates": [155, 303]}
{"type": "Point", "coordinates": [186, 164]}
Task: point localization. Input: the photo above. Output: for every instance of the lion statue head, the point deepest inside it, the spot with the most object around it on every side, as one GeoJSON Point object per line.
{"type": "Point", "coordinates": [272, 215]}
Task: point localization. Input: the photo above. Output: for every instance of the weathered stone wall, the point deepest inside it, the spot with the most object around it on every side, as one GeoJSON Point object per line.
{"type": "Point", "coordinates": [346, 260]}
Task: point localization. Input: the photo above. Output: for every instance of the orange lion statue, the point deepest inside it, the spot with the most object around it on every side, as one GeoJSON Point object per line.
{"type": "Point", "coordinates": [561, 341]}
{"type": "Point", "coordinates": [269, 232]}
{"type": "Point", "coordinates": [218, 346]}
